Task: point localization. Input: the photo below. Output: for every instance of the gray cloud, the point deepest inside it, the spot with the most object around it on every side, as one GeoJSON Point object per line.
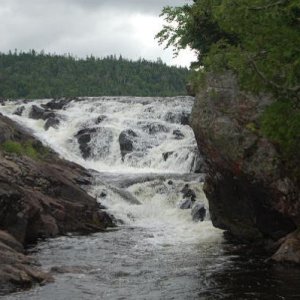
{"type": "Point", "coordinates": [84, 27]}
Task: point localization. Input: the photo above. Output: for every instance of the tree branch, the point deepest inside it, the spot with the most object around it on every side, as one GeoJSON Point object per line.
{"type": "Point", "coordinates": [280, 2]}
{"type": "Point", "coordinates": [295, 89]}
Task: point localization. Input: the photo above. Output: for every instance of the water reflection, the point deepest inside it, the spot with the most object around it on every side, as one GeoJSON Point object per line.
{"type": "Point", "coordinates": [247, 275]}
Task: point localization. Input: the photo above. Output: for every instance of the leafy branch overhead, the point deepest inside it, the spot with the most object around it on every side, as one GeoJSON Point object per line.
{"type": "Point", "coordinates": [258, 40]}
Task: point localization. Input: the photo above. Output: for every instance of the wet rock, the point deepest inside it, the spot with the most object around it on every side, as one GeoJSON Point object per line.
{"type": "Point", "coordinates": [166, 155]}
{"type": "Point", "coordinates": [185, 119]}
{"type": "Point", "coordinates": [2, 101]}
{"type": "Point", "coordinates": [83, 180]}
{"type": "Point", "coordinates": [102, 206]}
{"type": "Point", "coordinates": [38, 199]}
{"type": "Point", "coordinates": [17, 271]}
{"type": "Point", "coordinates": [103, 194]}
{"type": "Point", "coordinates": [84, 137]}
{"type": "Point", "coordinates": [38, 113]}
{"type": "Point", "coordinates": [19, 111]}
{"type": "Point", "coordinates": [126, 141]}
{"type": "Point", "coordinates": [186, 204]}
{"type": "Point", "coordinates": [104, 137]}
{"type": "Point", "coordinates": [126, 195]}
{"type": "Point", "coordinates": [188, 193]}
{"type": "Point", "coordinates": [250, 190]}
{"type": "Point", "coordinates": [198, 212]}
{"type": "Point", "coordinates": [179, 117]}
{"type": "Point", "coordinates": [52, 122]}
{"type": "Point", "coordinates": [178, 134]}
{"type": "Point", "coordinates": [289, 250]}
{"type": "Point", "coordinates": [57, 104]}
{"type": "Point", "coordinates": [100, 119]}
{"type": "Point", "coordinates": [154, 128]}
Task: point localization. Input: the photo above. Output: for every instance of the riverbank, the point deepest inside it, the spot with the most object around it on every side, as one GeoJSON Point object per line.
{"type": "Point", "coordinates": [41, 196]}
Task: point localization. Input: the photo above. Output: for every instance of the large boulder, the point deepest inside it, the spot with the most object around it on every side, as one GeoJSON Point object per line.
{"type": "Point", "coordinates": [38, 113]}
{"type": "Point", "coordinates": [84, 137]}
{"type": "Point", "coordinates": [102, 136]}
{"type": "Point", "coordinates": [58, 104]}
{"type": "Point", "coordinates": [250, 192]}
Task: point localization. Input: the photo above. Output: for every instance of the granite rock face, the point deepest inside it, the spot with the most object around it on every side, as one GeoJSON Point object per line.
{"type": "Point", "coordinates": [40, 197]}
{"type": "Point", "coordinates": [250, 192]}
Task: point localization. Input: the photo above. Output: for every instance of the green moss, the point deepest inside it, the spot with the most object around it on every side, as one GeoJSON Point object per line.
{"type": "Point", "coordinates": [30, 148]}
{"type": "Point", "coordinates": [12, 147]}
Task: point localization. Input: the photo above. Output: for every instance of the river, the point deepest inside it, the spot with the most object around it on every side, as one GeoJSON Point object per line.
{"type": "Point", "coordinates": [142, 153]}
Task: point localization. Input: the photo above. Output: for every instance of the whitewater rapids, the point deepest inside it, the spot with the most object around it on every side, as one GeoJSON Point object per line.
{"type": "Point", "coordinates": [141, 152]}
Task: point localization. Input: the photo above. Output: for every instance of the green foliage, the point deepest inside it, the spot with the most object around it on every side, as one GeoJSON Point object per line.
{"type": "Point", "coordinates": [258, 40]}
{"type": "Point", "coordinates": [29, 148]}
{"type": "Point", "coordinates": [281, 123]}
{"type": "Point", "coordinates": [31, 75]}
{"type": "Point", "coordinates": [12, 147]}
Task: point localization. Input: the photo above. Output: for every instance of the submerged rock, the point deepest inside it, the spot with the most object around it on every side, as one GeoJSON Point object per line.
{"type": "Point", "coordinates": [153, 128]}
{"type": "Point", "coordinates": [126, 141]}
{"type": "Point", "coordinates": [52, 122]}
{"type": "Point", "coordinates": [180, 117]}
{"type": "Point", "coordinates": [186, 204]}
{"type": "Point", "coordinates": [188, 193]}
{"type": "Point", "coordinates": [178, 134]}
{"type": "Point", "coordinates": [198, 212]}
{"type": "Point", "coordinates": [100, 119]}
{"type": "Point", "coordinates": [19, 111]}
{"type": "Point", "coordinates": [166, 155]}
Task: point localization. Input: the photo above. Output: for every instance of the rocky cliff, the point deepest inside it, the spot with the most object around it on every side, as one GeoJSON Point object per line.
{"type": "Point", "coordinates": [249, 189]}
{"type": "Point", "coordinates": [41, 196]}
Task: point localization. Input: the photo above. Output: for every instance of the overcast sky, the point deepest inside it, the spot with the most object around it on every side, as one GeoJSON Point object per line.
{"type": "Point", "coordinates": [84, 27]}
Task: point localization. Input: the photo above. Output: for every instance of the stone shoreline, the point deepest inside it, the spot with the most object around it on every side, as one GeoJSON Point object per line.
{"type": "Point", "coordinates": [41, 196]}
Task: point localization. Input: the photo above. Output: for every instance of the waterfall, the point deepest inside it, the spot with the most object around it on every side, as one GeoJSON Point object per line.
{"type": "Point", "coordinates": [142, 149]}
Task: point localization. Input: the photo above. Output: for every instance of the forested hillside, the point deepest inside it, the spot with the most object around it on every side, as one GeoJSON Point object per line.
{"type": "Point", "coordinates": [39, 75]}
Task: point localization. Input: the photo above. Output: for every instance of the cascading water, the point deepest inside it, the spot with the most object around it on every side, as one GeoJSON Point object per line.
{"type": "Point", "coordinates": [144, 153]}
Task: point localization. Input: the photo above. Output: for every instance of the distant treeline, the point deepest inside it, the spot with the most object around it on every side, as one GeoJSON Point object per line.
{"type": "Point", "coordinates": [35, 75]}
